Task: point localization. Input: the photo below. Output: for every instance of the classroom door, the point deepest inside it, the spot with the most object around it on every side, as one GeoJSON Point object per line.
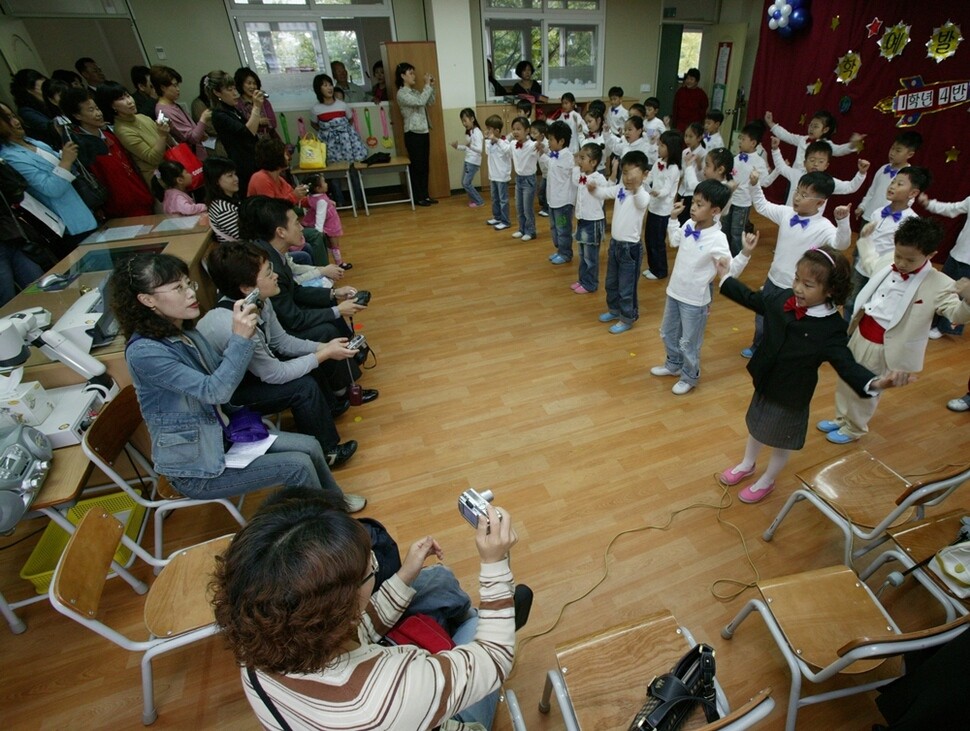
{"type": "Point", "coordinates": [667, 65]}
{"type": "Point", "coordinates": [17, 51]}
{"type": "Point", "coordinates": [721, 54]}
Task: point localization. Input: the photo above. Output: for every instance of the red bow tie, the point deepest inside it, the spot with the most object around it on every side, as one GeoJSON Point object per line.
{"type": "Point", "coordinates": [904, 275]}
{"type": "Point", "coordinates": [660, 166]}
{"type": "Point", "coordinates": [518, 145]}
{"type": "Point", "coordinates": [799, 311]}
{"type": "Point", "coordinates": [582, 180]}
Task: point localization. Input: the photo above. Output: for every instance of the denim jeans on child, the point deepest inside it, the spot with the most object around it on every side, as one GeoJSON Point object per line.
{"type": "Point", "coordinates": [561, 227]}
{"type": "Point", "coordinates": [657, 244]}
{"type": "Point", "coordinates": [541, 193]}
{"type": "Point", "coordinates": [589, 236]}
{"type": "Point", "coordinates": [732, 224]}
{"type": "Point", "coordinates": [955, 270]}
{"type": "Point", "coordinates": [769, 289]}
{"type": "Point", "coordinates": [468, 174]}
{"type": "Point", "coordinates": [525, 198]}
{"type": "Point", "coordinates": [622, 276]}
{"type": "Point", "coordinates": [682, 332]}
{"type": "Point", "coordinates": [500, 201]}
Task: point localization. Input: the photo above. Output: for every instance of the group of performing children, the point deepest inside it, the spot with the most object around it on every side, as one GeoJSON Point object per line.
{"type": "Point", "coordinates": [697, 194]}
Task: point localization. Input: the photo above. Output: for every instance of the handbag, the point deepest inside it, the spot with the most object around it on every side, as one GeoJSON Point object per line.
{"type": "Point", "coordinates": [92, 192]}
{"type": "Point", "coordinates": [422, 631]}
{"type": "Point", "coordinates": [672, 696]}
{"type": "Point", "coordinates": [245, 425]}
{"type": "Point", "coordinates": [313, 154]}
{"type": "Point", "coordinates": [184, 155]}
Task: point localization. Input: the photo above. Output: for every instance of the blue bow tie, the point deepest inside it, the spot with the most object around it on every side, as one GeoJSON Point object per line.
{"type": "Point", "coordinates": [795, 221]}
{"type": "Point", "coordinates": [621, 196]}
{"type": "Point", "coordinates": [692, 232]}
{"type": "Point", "coordinates": [616, 110]}
{"type": "Point", "coordinates": [743, 157]}
{"type": "Point", "coordinates": [888, 170]}
{"type": "Point", "coordinates": [887, 212]}
{"type": "Point", "coordinates": [554, 155]}
{"type": "Point", "coordinates": [707, 138]}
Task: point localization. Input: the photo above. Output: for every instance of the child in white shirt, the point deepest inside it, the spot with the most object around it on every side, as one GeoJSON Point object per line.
{"type": "Point", "coordinates": [653, 127]}
{"type": "Point", "coordinates": [617, 113]}
{"type": "Point", "coordinates": [525, 160]}
{"type": "Point", "coordinates": [560, 191]}
{"type": "Point", "coordinates": [499, 152]}
{"type": "Point", "coordinates": [700, 244]}
{"type": "Point", "coordinates": [632, 140]}
{"type": "Point", "coordinates": [590, 217]}
{"type": "Point", "coordinates": [598, 133]}
{"type": "Point", "coordinates": [733, 222]}
{"type": "Point", "coordinates": [693, 156]}
{"type": "Point", "coordinates": [626, 250]}
{"type": "Point", "coordinates": [662, 182]}
{"type": "Point", "coordinates": [957, 264]}
{"type": "Point", "coordinates": [537, 132]}
{"type": "Point", "coordinates": [573, 119]}
{"type": "Point", "coordinates": [474, 142]}
{"type": "Point", "coordinates": [818, 154]}
{"type": "Point", "coordinates": [712, 130]}
{"type": "Point", "coordinates": [820, 127]}
{"type": "Point", "coordinates": [900, 153]}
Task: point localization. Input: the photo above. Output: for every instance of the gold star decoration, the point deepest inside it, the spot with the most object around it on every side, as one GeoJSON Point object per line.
{"type": "Point", "coordinates": [952, 154]}
{"type": "Point", "coordinates": [814, 89]}
{"type": "Point", "coordinates": [835, 22]}
{"type": "Point", "coordinates": [801, 121]}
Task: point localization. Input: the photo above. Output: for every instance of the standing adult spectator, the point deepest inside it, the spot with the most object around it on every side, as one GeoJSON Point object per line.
{"type": "Point", "coordinates": [101, 152]}
{"type": "Point", "coordinates": [167, 83]}
{"type": "Point", "coordinates": [332, 119]}
{"type": "Point", "coordinates": [48, 175]}
{"type": "Point", "coordinates": [690, 101]}
{"type": "Point", "coordinates": [236, 132]}
{"type": "Point", "coordinates": [142, 136]}
{"type": "Point", "coordinates": [145, 95]}
{"type": "Point", "coordinates": [27, 87]}
{"type": "Point", "coordinates": [247, 83]}
{"type": "Point", "coordinates": [352, 92]}
{"type": "Point", "coordinates": [90, 71]}
{"type": "Point", "coordinates": [379, 90]}
{"type": "Point", "coordinates": [417, 137]}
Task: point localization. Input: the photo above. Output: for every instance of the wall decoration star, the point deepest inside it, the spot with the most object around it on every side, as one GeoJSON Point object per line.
{"type": "Point", "coordinates": [801, 121]}
{"type": "Point", "coordinates": [874, 25]}
{"type": "Point", "coordinates": [835, 21]}
{"type": "Point", "coordinates": [814, 89]}
{"type": "Point", "coordinates": [952, 154]}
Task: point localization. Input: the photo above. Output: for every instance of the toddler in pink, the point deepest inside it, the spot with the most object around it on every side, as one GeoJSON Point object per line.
{"type": "Point", "coordinates": [322, 215]}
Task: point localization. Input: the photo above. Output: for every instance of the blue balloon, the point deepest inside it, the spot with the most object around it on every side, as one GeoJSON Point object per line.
{"type": "Point", "coordinates": [786, 31]}
{"type": "Point", "coordinates": [795, 4]}
{"type": "Point", "coordinates": [776, 15]}
{"type": "Point", "coordinates": [798, 19]}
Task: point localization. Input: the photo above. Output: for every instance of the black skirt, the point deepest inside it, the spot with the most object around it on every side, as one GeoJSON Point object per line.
{"type": "Point", "coordinates": [775, 425]}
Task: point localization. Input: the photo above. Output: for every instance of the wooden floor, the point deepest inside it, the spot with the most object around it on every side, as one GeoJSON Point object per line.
{"type": "Point", "coordinates": [494, 374]}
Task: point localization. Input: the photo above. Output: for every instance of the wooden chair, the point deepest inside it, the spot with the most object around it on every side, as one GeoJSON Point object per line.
{"type": "Point", "coordinates": [864, 497]}
{"type": "Point", "coordinates": [608, 672]}
{"type": "Point", "coordinates": [828, 623]}
{"type": "Point", "coordinates": [177, 609]}
{"type": "Point", "coordinates": [120, 430]}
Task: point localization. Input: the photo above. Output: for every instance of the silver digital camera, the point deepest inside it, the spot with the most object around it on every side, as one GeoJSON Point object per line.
{"type": "Point", "coordinates": [357, 342]}
{"type": "Point", "coordinates": [472, 503]}
{"type": "Point", "coordinates": [252, 298]}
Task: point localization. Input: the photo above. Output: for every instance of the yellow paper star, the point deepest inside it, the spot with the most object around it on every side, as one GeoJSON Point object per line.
{"type": "Point", "coordinates": [835, 22]}
{"type": "Point", "coordinates": [952, 154]}
{"type": "Point", "coordinates": [801, 121]}
{"type": "Point", "coordinates": [814, 89]}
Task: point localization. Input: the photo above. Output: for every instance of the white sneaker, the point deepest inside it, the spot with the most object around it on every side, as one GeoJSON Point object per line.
{"type": "Point", "coordinates": [354, 503]}
{"type": "Point", "coordinates": [517, 235]}
{"type": "Point", "coordinates": [935, 333]}
{"type": "Point", "coordinates": [959, 404]}
{"type": "Point", "coordinates": [663, 371]}
{"type": "Point", "coordinates": [527, 238]}
{"type": "Point", "coordinates": [682, 387]}
{"type": "Point", "coordinates": [544, 214]}
{"type": "Point", "coordinates": [492, 221]}
{"type": "Point", "coordinates": [502, 227]}
{"type": "Point", "coordinates": [649, 274]}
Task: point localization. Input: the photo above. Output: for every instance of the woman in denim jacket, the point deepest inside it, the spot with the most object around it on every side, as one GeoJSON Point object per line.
{"type": "Point", "coordinates": [181, 383]}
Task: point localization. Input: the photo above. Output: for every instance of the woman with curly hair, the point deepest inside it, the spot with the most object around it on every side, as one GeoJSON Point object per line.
{"type": "Point", "coordinates": [182, 384]}
{"type": "Point", "coordinates": [295, 597]}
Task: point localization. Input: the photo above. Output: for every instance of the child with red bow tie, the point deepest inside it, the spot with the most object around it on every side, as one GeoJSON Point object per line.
{"type": "Point", "coordinates": [662, 182]}
{"type": "Point", "coordinates": [590, 217]}
{"type": "Point", "coordinates": [802, 329]}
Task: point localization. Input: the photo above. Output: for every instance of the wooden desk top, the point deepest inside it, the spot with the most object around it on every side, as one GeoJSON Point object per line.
{"type": "Point", "coordinates": [155, 225]}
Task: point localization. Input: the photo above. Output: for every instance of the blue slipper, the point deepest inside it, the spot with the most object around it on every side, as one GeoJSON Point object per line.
{"type": "Point", "coordinates": [747, 352]}
{"type": "Point", "coordinates": [608, 317]}
{"type": "Point", "coordinates": [620, 327]}
{"type": "Point", "coordinates": [839, 437]}
{"type": "Point", "coordinates": [827, 425]}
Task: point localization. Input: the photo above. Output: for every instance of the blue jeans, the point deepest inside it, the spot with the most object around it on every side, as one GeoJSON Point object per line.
{"type": "Point", "coordinates": [525, 198]}
{"type": "Point", "coordinates": [954, 270]}
{"type": "Point", "coordinates": [622, 276]}
{"type": "Point", "coordinates": [682, 332]}
{"type": "Point", "coordinates": [468, 173]}
{"type": "Point", "coordinates": [541, 192]}
{"type": "Point", "coordinates": [561, 227]}
{"type": "Point", "coordinates": [482, 711]}
{"type": "Point", "coordinates": [589, 236]}
{"type": "Point", "coordinates": [293, 459]}
{"type": "Point", "coordinates": [769, 288]}
{"type": "Point", "coordinates": [657, 244]}
{"type": "Point", "coordinates": [15, 267]}
{"type": "Point", "coordinates": [732, 224]}
{"type": "Point", "coordinates": [500, 201]}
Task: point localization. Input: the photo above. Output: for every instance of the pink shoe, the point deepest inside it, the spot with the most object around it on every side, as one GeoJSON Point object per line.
{"type": "Point", "coordinates": [747, 495]}
{"type": "Point", "coordinates": [573, 286]}
{"type": "Point", "coordinates": [580, 290]}
{"type": "Point", "coordinates": [731, 477]}
{"type": "Point", "coordinates": [472, 204]}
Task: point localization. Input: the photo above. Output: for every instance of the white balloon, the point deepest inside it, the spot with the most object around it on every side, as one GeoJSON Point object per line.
{"type": "Point", "coordinates": [786, 10]}
{"type": "Point", "coordinates": [773, 24]}
{"type": "Point", "coordinates": [783, 21]}
{"type": "Point", "coordinates": [773, 8]}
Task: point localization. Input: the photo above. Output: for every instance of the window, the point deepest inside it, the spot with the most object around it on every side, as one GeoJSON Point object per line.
{"type": "Point", "coordinates": [690, 50]}
{"type": "Point", "coordinates": [287, 42]}
{"type": "Point", "coordinates": [562, 39]}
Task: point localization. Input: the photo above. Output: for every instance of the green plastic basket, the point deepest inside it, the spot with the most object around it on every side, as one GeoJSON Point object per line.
{"type": "Point", "coordinates": [39, 569]}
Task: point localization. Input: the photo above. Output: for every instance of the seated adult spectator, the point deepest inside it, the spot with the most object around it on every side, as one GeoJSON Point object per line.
{"type": "Point", "coordinates": [89, 70]}
{"type": "Point", "coordinates": [27, 88]}
{"type": "Point", "coordinates": [142, 136]}
{"type": "Point", "coordinates": [145, 95]}
{"type": "Point", "coordinates": [285, 372]}
{"type": "Point", "coordinates": [247, 84]}
{"type": "Point", "coordinates": [313, 313]}
{"type": "Point", "coordinates": [167, 83]}
{"type": "Point", "coordinates": [237, 133]}
{"type": "Point", "coordinates": [295, 598]}
{"type": "Point", "coordinates": [17, 270]}
{"type": "Point", "coordinates": [53, 90]}
{"type": "Point", "coordinates": [101, 152]}
{"type": "Point", "coordinates": [184, 387]}
{"type": "Point", "coordinates": [48, 175]}
{"type": "Point", "coordinates": [222, 197]}
{"type": "Point", "coordinates": [526, 84]}
{"type": "Point", "coordinates": [71, 78]}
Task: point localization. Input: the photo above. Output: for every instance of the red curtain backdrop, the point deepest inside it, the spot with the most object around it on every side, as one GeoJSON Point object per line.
{"type": "Point", "coordinates": [784, 68]}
